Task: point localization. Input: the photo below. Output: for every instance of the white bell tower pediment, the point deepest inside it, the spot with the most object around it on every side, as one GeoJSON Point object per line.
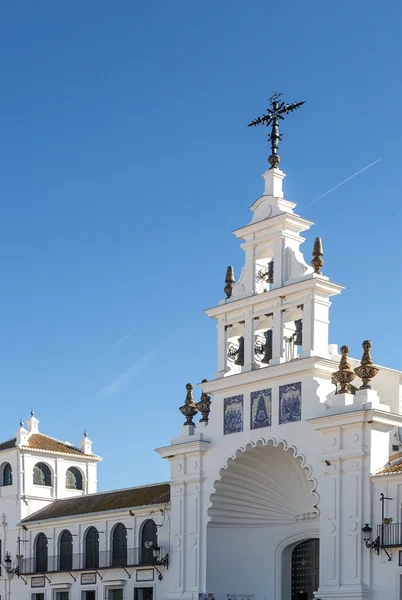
{"type": "Point", "coordinates": [278, 309]}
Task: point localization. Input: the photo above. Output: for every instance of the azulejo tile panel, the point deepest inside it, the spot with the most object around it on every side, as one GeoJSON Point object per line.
{"type": "Point", "coordinates": [290, 402]}
{"type": "Point", "coordinates": [261, 409]}
{"type": "Point", "coordinates": [233, 408]}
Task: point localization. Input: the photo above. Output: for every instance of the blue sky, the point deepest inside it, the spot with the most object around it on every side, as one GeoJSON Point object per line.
{"type": "Point", "coordinates": [125, 163]}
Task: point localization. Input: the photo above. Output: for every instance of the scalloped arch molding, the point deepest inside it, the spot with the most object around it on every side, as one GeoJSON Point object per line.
{"type": "Point", "coordinates": [265, 483]}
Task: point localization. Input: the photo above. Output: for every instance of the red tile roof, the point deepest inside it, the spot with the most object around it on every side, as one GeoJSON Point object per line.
{"type": "Point", "coordinates": [125, 499]}
{"type": "Point", "coordinates": [39, 441]}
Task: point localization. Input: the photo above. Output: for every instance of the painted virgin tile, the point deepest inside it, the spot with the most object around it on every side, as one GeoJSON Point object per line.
{"type": "Point", "coordinates": [290, 402]}
{"type": "Point", "coordinates": [233, 414]}
{"type": "Point", "coordinates": [260, 409]}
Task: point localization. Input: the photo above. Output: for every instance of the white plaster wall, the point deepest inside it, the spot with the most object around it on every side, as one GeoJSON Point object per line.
{"type": "Point", "coordinates": [246, 560]}
{"type": "Point", "coordinates": [104, 525]}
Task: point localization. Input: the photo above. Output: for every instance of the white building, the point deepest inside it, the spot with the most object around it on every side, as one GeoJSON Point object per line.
{"type": "Point", "coordinates": [268, 494]}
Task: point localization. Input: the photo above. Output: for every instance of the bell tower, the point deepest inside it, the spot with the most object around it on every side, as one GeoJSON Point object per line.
{"type": "Point", "coordinates": [278, 309]}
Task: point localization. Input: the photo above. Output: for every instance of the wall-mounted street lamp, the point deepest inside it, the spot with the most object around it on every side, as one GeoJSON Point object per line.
{"type": "Point", "coordinates": [10, 570]}
{"type": "Point", "coordinates": [377, 544]}
{"type": "Point", "coordinates": [156, 554]}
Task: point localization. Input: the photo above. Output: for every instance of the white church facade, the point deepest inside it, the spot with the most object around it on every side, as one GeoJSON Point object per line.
{"type": "Point", "coordinates": [286, 486]}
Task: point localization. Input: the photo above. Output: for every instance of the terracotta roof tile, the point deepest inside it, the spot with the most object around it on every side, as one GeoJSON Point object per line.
{"type": "Point", "coordinates": [39, 441]}
{"type": "Point", "coordinates": [394, 465]}
{"type": "Point", "coordinates": [103, 501]}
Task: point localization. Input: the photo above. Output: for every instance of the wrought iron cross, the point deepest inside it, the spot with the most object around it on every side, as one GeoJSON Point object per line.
{"type": "Point", "coordinates": [275, 112]}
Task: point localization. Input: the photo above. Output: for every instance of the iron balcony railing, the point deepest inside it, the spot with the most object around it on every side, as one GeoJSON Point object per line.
{"type": "Point", "coordinates": [83, 561]}
{"type": "Point", "coordinates": [390, 535]}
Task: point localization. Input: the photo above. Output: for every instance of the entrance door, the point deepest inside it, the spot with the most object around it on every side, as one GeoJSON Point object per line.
{"type": "Point", "coordinates": [305, 569]}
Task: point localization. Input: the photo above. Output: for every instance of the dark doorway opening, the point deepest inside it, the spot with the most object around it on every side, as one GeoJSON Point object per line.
{"type": "Point", "coordinates": [305, 569]}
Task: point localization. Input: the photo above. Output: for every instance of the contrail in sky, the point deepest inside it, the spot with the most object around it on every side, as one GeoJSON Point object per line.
{"type": "Point", "coordinates": [344, 181]}
{"type": "Point", "coordinates": [123, 339]}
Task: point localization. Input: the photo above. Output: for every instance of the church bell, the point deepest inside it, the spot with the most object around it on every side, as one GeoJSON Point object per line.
{"type": "Point", "coordinates": [240, 353]}
{"type": "Point", "coordinates": [267, 347]}
{"type": "Point", "coordinates": [270, 273]}
{"type": "Point", "coordinates": [298, 335]}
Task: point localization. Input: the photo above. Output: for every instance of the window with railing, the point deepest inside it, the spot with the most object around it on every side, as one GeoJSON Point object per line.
{"type": "Point", "coordinates": [390, 535]}
{"type": "Point", "coordinates": [40, 565]}
{"type": "Point", "coordinates": [91, 549]}
{"type": "Point", "coordinates": [149, 540]}
{"type": "Point", "coordinates": [119, 545]}
{"type": "Point", "coordinates": [66, 551]}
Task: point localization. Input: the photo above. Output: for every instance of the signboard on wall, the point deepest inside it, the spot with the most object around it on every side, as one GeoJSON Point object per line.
{"type": "Point", "coordinates": [145, 575]}
{"type": "Point", "coordinates": [88, 578]}
{"type": "Point", "coordinates": [38, 581]}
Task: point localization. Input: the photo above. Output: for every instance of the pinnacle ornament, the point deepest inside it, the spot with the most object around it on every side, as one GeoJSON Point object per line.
{"type": "Point", "coordinates": [189, 410]}
{"type": "Point", "coordinates": [318, 262]}
{"type": "Point", "coordinates": [366, 370]}
{"type": "Point", "coordinates": [344, 376]}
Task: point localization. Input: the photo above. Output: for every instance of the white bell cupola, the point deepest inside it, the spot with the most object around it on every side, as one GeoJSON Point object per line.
{"type": "Point", "coordinates": [278, 309]}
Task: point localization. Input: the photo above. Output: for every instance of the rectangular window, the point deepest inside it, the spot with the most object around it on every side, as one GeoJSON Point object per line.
{"type": "Point", "coordinates": [38, 596]}
{"type": "Point", "coordinates": [61, 596]}
{"type": "Point", "coordinates": [116, 594]}
{"type": "Point", "coordinates": [144, 593]}
{"type": "Point", "coordinates": [88, 595]}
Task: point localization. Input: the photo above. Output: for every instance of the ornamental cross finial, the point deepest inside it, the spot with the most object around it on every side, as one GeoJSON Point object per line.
{"type": "Point", "coordinates": [274, 113]}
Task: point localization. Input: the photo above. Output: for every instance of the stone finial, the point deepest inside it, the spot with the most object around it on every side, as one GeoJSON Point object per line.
{"type": "Point", "coordinates": [33, 423]}
{"type": "Point", "coordinates": [366, 370]}
{"type": "Point", "coordinates": [32, 412]}
{"type": "Point", "coordinates": [204, 404]}
{"type": "Point", "coordinates": [318, 262]}
{"type": "Point", "coordinates": [21, 422]}
{"type": "Point", "coordinates": [344, 376]}
{"type": "Point", "coordinates": [189, 409]}
{"type": "Point", "coordinates": [229, 280]}
{"type": "Point", "coordinates": [86, 444]}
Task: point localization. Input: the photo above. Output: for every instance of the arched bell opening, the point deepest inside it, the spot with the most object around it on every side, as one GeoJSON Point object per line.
{"type": "Point", "coordinates": [235, 348]}
{"type": "Point", "coordinates": [293, 333]}
{"type": "Point", "coordinates": [263, 344]}
{"type": "Point", "coordinates": [264, 270]}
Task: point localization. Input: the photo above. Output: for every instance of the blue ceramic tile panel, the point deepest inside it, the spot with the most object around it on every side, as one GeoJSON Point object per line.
{"type": "Point", "coordinates": [290, 402]}
{"type": "Point", "coordinates": [260, 409]}
{"type": "Point", "coordinates": [233, 414]}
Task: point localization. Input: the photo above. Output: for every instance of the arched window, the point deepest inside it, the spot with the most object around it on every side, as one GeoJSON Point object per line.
{"type": "Point", "coordinates": [41, 553]}
{"type": "Point", "coordinates": [149, 539]}
{"type": "Point", "coordinates": [42, 474]}
{"type": "Point", "coordinates": [119, 546]}
{"type": "Point", "coordinates": [66, 551]}
{"type": "Point", "coordinates": [91, 549]}
{"type": "Point", "coordinates": [73, 479]}
{"type": "Point", "coordinates": [7, 475]}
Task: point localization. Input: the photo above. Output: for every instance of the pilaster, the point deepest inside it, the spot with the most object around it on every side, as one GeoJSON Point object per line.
{"type": "Point", "coordinates": [345, 501]}
{"type": "Point", "coordinates": [188, 545]}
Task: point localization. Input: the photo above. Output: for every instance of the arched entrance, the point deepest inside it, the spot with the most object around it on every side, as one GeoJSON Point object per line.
{"type": "Point", "coordinates": [263, 506]}
{"type": "Point", "coordinates": [305, 569]}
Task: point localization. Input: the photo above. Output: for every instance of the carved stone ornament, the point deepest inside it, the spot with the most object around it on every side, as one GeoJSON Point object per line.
{"type": "Point", "coordinates": [203, 405]}
{"type": "Point", "coordinates": [189, 409]}
{"type": "Point", "coordinates": [366, 371]}
{"type": "Point", "coordinates": [318, 262]}
{"type": "Point", "coordinates": [229, 280]}
{"type": "Point", "coordinates": [344, 376]}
